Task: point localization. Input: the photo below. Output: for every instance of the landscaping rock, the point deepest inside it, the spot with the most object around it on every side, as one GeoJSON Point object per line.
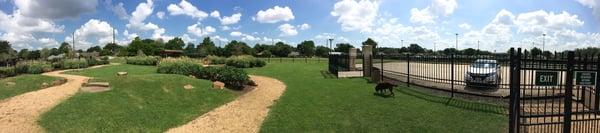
{"type": "Point", "coordinates": [192, 76]}
{"type": "Point", "coordinates": [58, 82]}
{"type": "Point", "coordinates": [45, 85]}
{"type": "Point", "coordinates": [121, 74]}
{"type": "Point", "coordinates": [98, 84]}
{"type": "Point", "coordinates": [188, 87]}
{"type": "Point", "coordinates": [218, 85]}
{"type": "Point", "coordinates": [94, 89]}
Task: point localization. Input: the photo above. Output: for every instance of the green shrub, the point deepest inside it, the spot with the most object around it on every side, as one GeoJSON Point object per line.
{"type": "Point", "coordinates": [233, 77]}
{"type": "Point", "coordinates": [92, 61]}
{"type": "Point", "coordinates": [57, 64]}
{"type": "Point", "coordinates": [32, 67]}
{"type": "Point", "coordinates": [214, 60]}
{"type": "Point", "coordinates": [7, 72]}
{"type": "Point", "coordinates": [183, 66]}
{"type": "Point", "coordinates": [142, 60]}
{"type": "Point", "coordinates": [74, 64]}
{"type": "Point", "coordinates": [245, 61]}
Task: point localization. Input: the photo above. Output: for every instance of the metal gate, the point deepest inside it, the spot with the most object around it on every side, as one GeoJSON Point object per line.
{"type": "Point", "coordinates": [554, 93]}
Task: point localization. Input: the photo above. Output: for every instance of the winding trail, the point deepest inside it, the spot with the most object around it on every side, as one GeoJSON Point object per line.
{"type": "Point", "coordinates": [243, 115]}
{"type": "Point", "coordinates": [20, 113]}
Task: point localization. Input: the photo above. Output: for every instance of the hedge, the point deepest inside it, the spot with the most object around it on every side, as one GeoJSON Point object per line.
{"type": "Point", "coordinates": [7, 72]}
{"type": "Point", "coordinates": [245, 61]}
{"type": "Point", "coordinates": [33, 67]}
{"type": "Point", "coordinates": [74, 64]}
{"type": "Point", "coordinates": [142, 60]}
{"type": "Point", "coordinates": [215, 60]}
{"type": "Point", "coordinates": [234, 78]}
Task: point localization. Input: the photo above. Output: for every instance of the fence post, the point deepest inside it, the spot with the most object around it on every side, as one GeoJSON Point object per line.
{"type": "Point", "coordinates": [408, 70]}
{"type": "Point", "coordinates": [512, 117]}
{"type": "Point", "coordinates": [569, 92]}
{"type": "Point", "coordinates": [597, 97]}
{"type": "Point", "coordinates": [381, 77]}
{"type": "Point", "coordinates": [452, 75]}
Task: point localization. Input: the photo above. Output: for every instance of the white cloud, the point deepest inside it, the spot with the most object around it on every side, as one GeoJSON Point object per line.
{"type": "Point", "coordinates": [129, 36]}
{"type": "Point", "coordinates": [236, 34]}
{"type": "Point", "coordinates": [186, 38]}
{"type": "Point", "coordinates": [160, 15]}
{"type": "Point", "coordinates": [225, 28]}
{"type": "Point", "coordinates": [233, 19]}
{"type": "Point", "coordinates": [52, 9]}
{"type": "Point", "coordinates": [594, 4]}
{"type": "Point", "coordinates": [356, 15]}
{"type": "Point", "coordinates": [423, 16]}
{"type": "Point", "coordinates": [118, 9]}
{"type": "Point", "coordinates": [443, 7]}
{"type": "Point", "coordinates": [136, 22]}
{"type": "Point", "coordinates": [22, 31]}
{"type": "Point", "coordinates": [304, 26]}
{"type": "Point", "coordinates": [215, 14]}
{"type": "Point", "coordinates": [464, 26]}
{"type": "Point", "coordinates": [275, 14]}
{"type": "Point", "coordinates": [186, 8]}
{"type": "Point", "coordinates": [287, 30]}
{"type": "Point", "coordinates": [540, 21]}
{"type": "Point", "coordinates": [197, 30]}
{"type": "Point", "coordinates": [92, 33]}
{"type": "Point", "coordinates": [48, 42]}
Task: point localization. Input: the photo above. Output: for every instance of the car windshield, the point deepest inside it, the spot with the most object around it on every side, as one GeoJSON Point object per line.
{"type": "Point", "coordinates": [483, 65]}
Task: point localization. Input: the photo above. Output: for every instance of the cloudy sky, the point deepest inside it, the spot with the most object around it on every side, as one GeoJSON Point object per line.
{"type": "Point", "coordinates": [496, 24]}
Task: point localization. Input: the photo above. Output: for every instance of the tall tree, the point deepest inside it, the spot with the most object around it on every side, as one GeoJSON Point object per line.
{"type": "Point", "coordinates": [207, 47]}
{"type": "Point", "coordinates": [113, 48]}
{"type": "Point", "coordinates": [306, 48]}
{"type": "Point", "coordinates": [64, 48]}
{"type": "Point", "coordinates": [535, 52]}
{"type": "Point", "coordinates": [415, 48]}
{"type": "Point", "coordinates": [94, 49]}
{"type": "Point", "coordinates": [322, 51]}
{"type": "Point", "coordinates": [263, 50]}
{"type": "Point", "coordinates": [44, 53]}
{"type": "Point", "coordinates": [237, 48]}
{"type": "Point", "coordinates": [190, 50]}
{"type": "Point", "coordinates": [282, 50]}
{"type": "Point", "coordinates": [24, 53]}
{"type": "Point", "coordinates": [175, 44]}
{"type": "Point", "coordinates": [343, 47]}
{"type": "Point", "coordinates": [371, 42]}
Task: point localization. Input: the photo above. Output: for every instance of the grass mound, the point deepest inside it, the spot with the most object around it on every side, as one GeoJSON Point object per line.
{"type": "Point", "coordinates": [13, 86]}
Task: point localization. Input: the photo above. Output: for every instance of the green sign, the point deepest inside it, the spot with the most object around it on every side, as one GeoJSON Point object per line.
{"type": "Point", "coordinates": [546, 78]}
{"type": "Point", "coordinates": [585, 78]}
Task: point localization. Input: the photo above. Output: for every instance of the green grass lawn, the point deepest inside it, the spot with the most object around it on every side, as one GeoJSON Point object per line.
{"type": "Point", "coordinates": [17, 85]}
{"type": "Point", "coordinates": [315, 102]}
{"type": "Point", "coordinates": [141, 102]}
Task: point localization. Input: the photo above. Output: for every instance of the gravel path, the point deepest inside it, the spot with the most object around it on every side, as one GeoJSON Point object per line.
{"type": "Point", "coordinates": [243, 115]}
{"type": "Point", "coordinates": [20, 113]}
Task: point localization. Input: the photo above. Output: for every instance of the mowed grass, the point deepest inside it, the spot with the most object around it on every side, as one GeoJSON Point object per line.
{"type": "Point", "coordinates": [141, 102]}
{"type": "Point", "coordinates": [317, 102]}
{"type": "Point", "coordinates": [17, 85]}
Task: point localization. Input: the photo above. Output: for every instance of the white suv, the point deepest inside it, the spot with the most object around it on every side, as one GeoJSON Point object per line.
{"type": "Point", "coordinates": [483, 73]}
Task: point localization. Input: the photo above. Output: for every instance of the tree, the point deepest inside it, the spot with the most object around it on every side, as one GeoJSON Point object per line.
{"type": "Point", "coordinates": [190, 50]}
{"type": "Point", "coordinates": [6, 52]}
{"type": "Point", "coordinates": [113, 48]}
{"type": "Point", "coordinates": [450, 51]}
{"type": "Point", "coordinates": [371, 42]}
{"type": "Point", "coordinates": [469, 51]}
{"type": "Point", "coordinates": [175, 44]}
{"type": "Point", "coordinates": [54, 51]}
{"type": "Point", "coordinates": [415, 48]}
{"type": "Point", "coordinates": [24, 53]}
{"type": "Point", "coordinates": [44, 53]}
{"type": "Point", "coordinates": [64, 48]}
{"type": "Point", "coordinates": [33, 55]}
{"type": "Point", "coordinates": [282, 50]}
{"type": "Point", "coordinates": [535, 52]}
{"type": "Point", "coordinates": [5, 47]}
{"type": "Point", "coordinates": [237, 48]}
{"type": "Point", "coordinates": [343, 47]}
{"type": "Point", "coordinates": [147, 46]}
{"type": "Point", "coordinates": [306, 48]}
{"type": "Point", "coordinates": [322, 51]}
{"type": "Point", "coordinates": [263, 50]}
{"type": "Point", "coordinates": [207, 47]}
{"type": "Point", "coordinates": [94, 49]}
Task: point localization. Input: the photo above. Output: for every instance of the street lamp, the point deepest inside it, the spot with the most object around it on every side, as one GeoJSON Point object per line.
{"type": "Point", "coordinates": [456, 40]}
{"type": "Point", "coordinates": [478, 45]}
{"type": "Point", "coordinates": [330, 43]}
{"type": "Point", "coordinates": [543, 42]}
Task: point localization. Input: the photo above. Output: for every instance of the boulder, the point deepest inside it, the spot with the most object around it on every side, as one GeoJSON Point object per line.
{"type": "Point", "coordinates": [192, 76]}
{"type": "Point", "coordinates": [188, 87]}
{"type": "Point", "coordinates": [218, 85]}
{"type": "Point", "coordinates": [45, 85]}
{"type": "Point", "coordinates": [121, 74]}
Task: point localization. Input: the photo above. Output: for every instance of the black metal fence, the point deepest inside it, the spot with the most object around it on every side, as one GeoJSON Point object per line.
{"type": "Point", "coordinates": [484, 75]}
{"type": "Point", "coordinates": [554, 94]}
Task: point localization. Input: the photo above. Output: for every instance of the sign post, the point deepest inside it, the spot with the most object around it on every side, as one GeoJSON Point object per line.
{"type": "Point", "coordinates": [546, 78]}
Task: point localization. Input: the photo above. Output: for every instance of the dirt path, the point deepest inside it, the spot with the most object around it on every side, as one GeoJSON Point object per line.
{"type": "Point", "coordinates": [20, 113]}
{"type": "Point", "coordinates": [243, 115]}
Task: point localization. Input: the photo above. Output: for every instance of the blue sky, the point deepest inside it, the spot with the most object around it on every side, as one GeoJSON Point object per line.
{"type": "Point", "coordinates": [496, 24]}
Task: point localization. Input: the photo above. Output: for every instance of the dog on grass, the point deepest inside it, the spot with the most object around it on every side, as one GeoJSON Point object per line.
{"type": "Point", "coordinates": [382, 87]}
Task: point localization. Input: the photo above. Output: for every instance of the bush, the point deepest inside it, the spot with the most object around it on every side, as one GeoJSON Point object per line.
{"type": "Point", "coordinates": [7, 72]}
{"type": "Point", "coordinates": [245, 61]}
{"type": "Point", "coordinates": [92, 61]}
{"type": "Point", "coordinates": [74, 64]}
{"type": "Point", "coordinates": [214, 60]}
{"type": "Point", "coordinates": [142, 60]}
{"type": "Point", "coordinates": [33, 67]}
{"type": "Point", "coordinates": [183, 66]}
{"type": "Point", "coordinates": [233, 77]}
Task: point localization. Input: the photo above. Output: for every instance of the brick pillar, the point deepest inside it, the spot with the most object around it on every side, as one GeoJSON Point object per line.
{"type": "Point", "coordinates": [351, 59]}
{"type": "Point", "coordinates": [367, 62]}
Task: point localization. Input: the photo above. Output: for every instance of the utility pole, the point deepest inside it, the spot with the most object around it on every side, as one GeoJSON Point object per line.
{"type": "Point", "coordinates": [477, 44]}
{"type": "Point", "coordinates": [113, 30]}
{"type": "Point", "coordinates": [331, 43]}
{"type": "Point", "coordinates": [434, 47]}
{"type": "Point", "coordinates": [73, 42]}
{"type": "Point", "coordinates": [402, 43]}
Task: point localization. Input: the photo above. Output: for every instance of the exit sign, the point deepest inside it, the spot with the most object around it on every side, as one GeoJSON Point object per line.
{"type": "Point", "coordinates": [585, 78]}
{"type": "Point", "coordinates": [546, 78]}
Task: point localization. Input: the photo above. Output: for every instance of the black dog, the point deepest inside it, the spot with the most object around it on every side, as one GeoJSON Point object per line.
{"type": "Point", "coordinates": [381, 87]}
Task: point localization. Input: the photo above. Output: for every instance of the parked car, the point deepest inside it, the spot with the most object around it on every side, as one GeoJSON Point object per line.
{"type": "Point", "coordinates": [483, 73]}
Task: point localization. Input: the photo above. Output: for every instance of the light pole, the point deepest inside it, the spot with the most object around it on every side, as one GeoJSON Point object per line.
{"type": "Point", "coordinates": [402, 43]}
{"type": "Point", "coordinates": [330, 43]}
{"type": "Point", "coordinates": [477, 45]}
{"type": "Point", "coordinates": [456, 40]}
{"type": "Point", "coordinates": [543, 42]}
